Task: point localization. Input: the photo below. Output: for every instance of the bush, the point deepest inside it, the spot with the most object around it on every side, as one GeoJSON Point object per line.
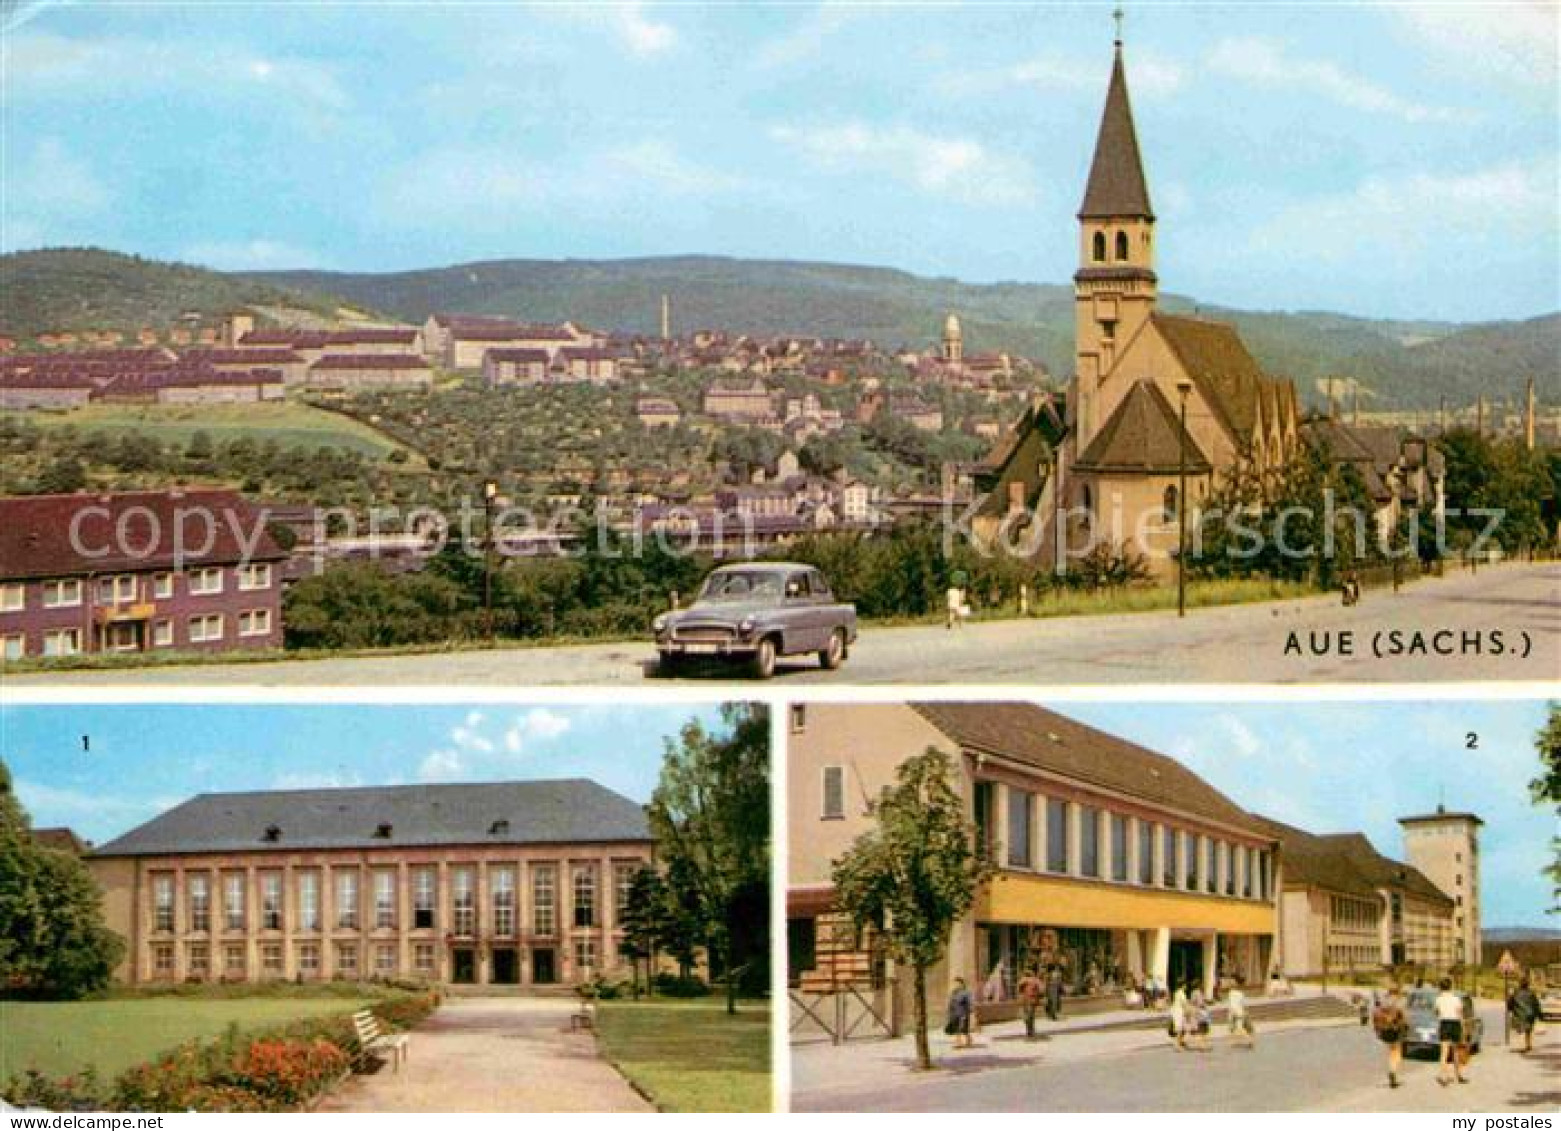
{"type": "Point", "coordinates": [79, 1092]}
{"type": "Point", "coordinates": [285, 1074]}
{"type": "Point", "coordinates": [676, 985]}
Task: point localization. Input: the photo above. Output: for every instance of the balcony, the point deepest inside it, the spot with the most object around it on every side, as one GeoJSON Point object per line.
{"type": "Point", "coordinates": [124, 613]}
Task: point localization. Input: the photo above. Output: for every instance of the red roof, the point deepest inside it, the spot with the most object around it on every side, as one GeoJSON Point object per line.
{"type": "Point", "coordinates": [370, 361]}
{"type": "Point", "coordinates": [387, 335]}
{"type": "Point", "coordinates": [160, 530]}
{"type": "Point", "coordinates": [244, 357]}
{"type": "Point", "coordinates": [529, 355]}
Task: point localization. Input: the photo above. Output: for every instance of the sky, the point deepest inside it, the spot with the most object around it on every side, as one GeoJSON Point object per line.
{"type": "Point", "coordinates": [1358, 767]}
{"type": "Point", "coordinates": [142, 760]}
{"type": "Point", "coordinates": [1394, 161]}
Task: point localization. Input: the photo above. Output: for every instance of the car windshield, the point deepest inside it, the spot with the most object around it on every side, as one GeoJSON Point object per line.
{"type": "Point", "coordinates": [1422, 1001]}
{"type": "Point", "coordinates": [742, 585]}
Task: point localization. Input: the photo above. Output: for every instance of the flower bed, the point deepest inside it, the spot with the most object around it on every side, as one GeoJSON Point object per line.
{"type": "Point", "coordinates": [283, 1068]}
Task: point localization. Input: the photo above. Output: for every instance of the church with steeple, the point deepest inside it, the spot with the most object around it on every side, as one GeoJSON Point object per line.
{"type": "Point", "coordinates": [1112, 452]}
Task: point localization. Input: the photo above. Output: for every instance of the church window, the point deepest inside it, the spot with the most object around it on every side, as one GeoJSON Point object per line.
{"type": "Point", "coordinates": [1100, 247]}
{"type": "Point", "coordinates": [1170, 504]}
{"type": "Point", "coordinates": [1121, 245]}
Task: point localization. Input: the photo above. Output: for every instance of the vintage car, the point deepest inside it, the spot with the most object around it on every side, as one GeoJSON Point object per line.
{"type": "Point", "coordinates": [1423, 1037]}
{"type": "Point", "coordinates": [758, 612]}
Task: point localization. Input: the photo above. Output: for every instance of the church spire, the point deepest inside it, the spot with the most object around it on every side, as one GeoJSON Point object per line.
{"type": "Point", "coordinates": [1117, 188]}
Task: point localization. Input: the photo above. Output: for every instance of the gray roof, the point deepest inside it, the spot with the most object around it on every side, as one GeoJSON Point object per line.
{"type": "Point", "coordinates": [568, 811]}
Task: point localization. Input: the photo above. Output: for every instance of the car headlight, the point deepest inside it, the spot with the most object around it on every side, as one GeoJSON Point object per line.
{"type": "Point", "coordinates": [659, 625]}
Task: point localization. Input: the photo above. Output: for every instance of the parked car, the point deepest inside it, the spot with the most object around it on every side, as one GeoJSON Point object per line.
{"type": "Point", "coordinates": [755, 613]}
{"type": "Point", "coordinates": [1423, 1034]}
{"type": "Point", "coordinates": [1550, 1004]}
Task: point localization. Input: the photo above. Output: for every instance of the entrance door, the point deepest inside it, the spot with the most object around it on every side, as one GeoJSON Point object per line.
{"type": "Point", "coordinates": [506, 966]}
{"type": "Point", "coordinates": [463, 965]}
{"type": "Point", "coordinates": [543, 971]}
{"type": "Point", "coordinates": [1186, 964]}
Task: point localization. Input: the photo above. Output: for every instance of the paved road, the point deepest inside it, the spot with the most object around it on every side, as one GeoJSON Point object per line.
{"type": "Point", "coordinates": [1236, 644]}
{"type": "Point", "coordinates": [495, 1054]}
{"type": "Point", "coordinates": [1306, 1068]}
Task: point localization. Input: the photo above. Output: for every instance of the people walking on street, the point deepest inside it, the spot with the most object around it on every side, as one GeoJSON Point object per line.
{"type": "Point", "coordinates": [961, 1006]}
{"type": "Point", "coordinates": [1523, 1009]}
{"type": "Point", "coordinates": [1054, 992]}
{"type": "Point", "coordinates": [1391, 1025]}
{"type": "Point", "coordinates": [1449, 1026]}
{"type": "Point", "coordinates": [1179, 1018]}
{"type": "Point", "coordinates": [1240, 1020]}
{"type": "Point", "coordinates": [1030, 992]}
{"type": "Point", "coordinates": [1198, 1015]}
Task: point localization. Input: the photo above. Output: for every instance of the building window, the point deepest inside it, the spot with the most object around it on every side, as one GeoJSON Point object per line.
{"type": "Point", "coordinates": [199, 960]}
{"type": "Point", "coordinates": [62, 642]}
{"type": "Point", "coordinates": [425, 885]}
{"type": "Point", "coordinates": [502, 883]}
{"type": "Point", "coordinates": [1169, 504]}
{"type": "Point", "coordinates": [271, 960]}
{"type": "Point", "coordinates": [463, 902]}
{"type": "Point", "coordinates": [162, 585]}
{"type": "Point", "coordinates": [1262, 875]}
{"type": "Point", "coordinates": [233, 960]}
{"type": "Point", "coordinates": [623, 885]}
{"type": "Point", "coordinates": [834, 793]}
{"type": "Point", "coordinates": [13, 597]}
{"type": "Point", "coordinates": [255, 622]}
{"type": "Point", "coordinates": [1229, 852]}
{"type": "Point", "coordinates": [162, 634]}
{"type": "Point", "coordinates": [1019, 809]}
{"type": "Point", "coordinates": [1145, 852]}
{"type": "Point", "coordinates": [15, 646]}
{"type": "Point", "coordinates": [1194, 860]}
{"type": "Point", "coordinates": [1119, 848]}
{"type": "Point", "coordinates": [255, 576]}
{"type": "Point", "coordinates": [385, 960]}
{"type": "Point", "coordinates": [1170, 847]}
{"type": "Point", "coordinates": [544, 900]}
{"type": "Point", "coordinates": [205, 629]}
{"type": "Point", "coordinates": [118, 590]}
{"type": "Point", "coordinates": [1098, 250]}
{"type": "Point", "coordinates": [585, 956]}
{"type": "Point", "coordinates": [205, 582]}
{"type": "Point", "coordinates": [308, 901]}
{"type": "Point", "coordinates": [200, 902]}
{"type": "Point", "coordinates": [1211, 865]}
{"type": "Point", "coordinates": [384, 899]}
{"type": "Point", "coordinates": [162, 960]}
{"type": "Point", "coordinates": [309, 960]}
{"type": "Point", "coordinates": [347, 900]}
{"type": "Point", "coordinates": [423, 959]}
{"type": "Point", "coordinates": [233, 901]}
{"type": "Point", "coordinates": [1056, 835]}
{"type": "Point", "coordinates": [1089, 841]}
{"type": "Point", "coordinates": [61, 594]}
{"type": "Point", "coordinates": [346, 960]}
{"type": "Point", "coordinates": [162, 903]}
{"type": "Point", "coordinates": [271, 901]}
{"type": "Point", "coordinates": [585, 895]}
{"type": "Point", "coordinates": [799, 718]}
{"type": "Point", "coordinates": [1121, 246]}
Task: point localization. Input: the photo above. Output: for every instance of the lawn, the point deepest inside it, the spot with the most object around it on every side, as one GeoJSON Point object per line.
{"type": "Point", "coordinates": [690, 1056]}
{"type": "Point", "coordinates": [59, 1038]}
{"type": "Point", "coordinates": [288, 423]}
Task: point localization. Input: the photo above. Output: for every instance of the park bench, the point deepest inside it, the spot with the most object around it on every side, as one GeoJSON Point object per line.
{"type": "Point", "coordinates": [375, 1041]}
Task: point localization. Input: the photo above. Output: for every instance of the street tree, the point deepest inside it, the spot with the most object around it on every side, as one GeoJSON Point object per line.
{"type": "Point", "coordinates": [915, 874]}
{"type": "Point", "coordinates": [1546, 788]}
{"type": "Point", "coordinates": [645, 923]}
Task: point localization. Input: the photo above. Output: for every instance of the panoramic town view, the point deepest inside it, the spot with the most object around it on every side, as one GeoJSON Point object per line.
{"type": "Point", "coordinates": [1081, 481]}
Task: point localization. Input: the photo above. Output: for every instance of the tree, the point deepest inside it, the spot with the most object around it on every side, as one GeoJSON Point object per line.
{"type": "Point", "coordinates": [710, 815]}
{"type": "Point", "coordinates": [53, 943]}
{"type": "Point", "coordinates": [915, 874]}
{"type": "Point", "coordinates": [645, 923]}
{"type": "Point", "coordinates": [1546, 788]}
{"type": "Point", "coordinates": [63, 476]}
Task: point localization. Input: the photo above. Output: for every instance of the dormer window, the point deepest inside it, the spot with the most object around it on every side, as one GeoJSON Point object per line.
{"type": "Point", "coordinates": [273, 834]}
{"type": "Point", "coordinates": [1100, 247]}
{"type": "Point", "coordinates": [1121, 247]}
{"type": "Point", "coordinates": [382, 831]}
{"type": "Point", "coordinates": [499, 828]}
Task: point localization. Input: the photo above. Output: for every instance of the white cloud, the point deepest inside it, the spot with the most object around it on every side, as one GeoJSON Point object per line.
{"type": "Point", "coordinates": [542, 723]}
{"type": "Point", "coordinates": [1242, 738]}
{"type": "Point", "coordinates": [250, 255]}
{"type": "Point", "coordinates": [955, 168]}
{"type": "Point", "coordinates": [1263, 62]}
{"type": "Point", "coordinates": [1508, 41]}
{"type": "Point", "coordinates": [468, 738]}
{"type": "Point", "coordinates": [641, 34]}
{"type": "Point", "coordinates": [441, 765]}
{"type": "Point", "coordinates": [804, 41]}
{"type": "Point", "coordinates": [1149, 75]}
{"type": "Point", "coordinates": [312, 779]}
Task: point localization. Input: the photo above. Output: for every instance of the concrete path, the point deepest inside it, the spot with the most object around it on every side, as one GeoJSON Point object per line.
{"type": "Point", "coordinates": [1502, 623]}
{"type": "Point", "coordinates": [495, 1055]}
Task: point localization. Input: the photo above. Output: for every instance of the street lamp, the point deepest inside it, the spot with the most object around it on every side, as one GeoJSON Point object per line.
{"type": "Point", "coordinates": [1183, 388]}
{"type": "Point", "coordinates": [490, 493]}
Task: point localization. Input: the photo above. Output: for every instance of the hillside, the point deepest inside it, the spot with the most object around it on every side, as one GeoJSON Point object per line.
{"type": "Point", "coordinates": [89, 289]}
{"type": "Point", "coordinates": [1400, 364]}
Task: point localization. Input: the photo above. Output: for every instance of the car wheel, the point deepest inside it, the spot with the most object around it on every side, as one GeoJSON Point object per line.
{"type": "Point", "coordinates": [834, 653]}
{"type": "Point", "coordinates": [764, 658]}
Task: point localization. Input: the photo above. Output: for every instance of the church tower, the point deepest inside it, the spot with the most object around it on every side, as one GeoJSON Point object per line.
{"type": "Point", "coordinates": [953, 340]}
{"type": "Point", "coordinates": [1114, 288]}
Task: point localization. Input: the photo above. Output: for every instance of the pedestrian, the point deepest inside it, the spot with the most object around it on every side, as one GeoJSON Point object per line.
{"type": "Point", "coordinates": [994, 988]}
{"type": "Point", "coordinates": [1179, 1018]}
{"type": "Point", "coordinates": [1523, 1008]}
{"type": "Point", "coordinates": [1240, 1021]}
{"type": "Point", "coordinates": [1449, 1033]}
{"type": "Point", "coordinates": [1198, 1008]}
{"type": "Point", "coordinates": [1054, 992]}
{"type": "Point", "coordinates": [1391, 1025]}
{"type": "Point", "coordinates": [1030, 992]}
{"type": "Point", "coordinates": [954, 599]}
{"type": "Point", "coordinates": [961, 1006]}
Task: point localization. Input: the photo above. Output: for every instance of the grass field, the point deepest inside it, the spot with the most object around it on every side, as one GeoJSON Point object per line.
{"type": "Point", "coordinates": [288, 423]}
{"type": "Point", "coordinates": [690, 1056]}
{"type": "Point", "coordinates": [59, 1038]}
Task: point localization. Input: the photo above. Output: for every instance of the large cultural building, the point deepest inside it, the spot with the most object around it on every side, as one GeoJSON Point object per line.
{"type": "Point", "coordinates": [1112, 860]}
{"type": "Point", "coordinates": [505, 883]}
{"type": "Point", "coordinates": [1113, 469]}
